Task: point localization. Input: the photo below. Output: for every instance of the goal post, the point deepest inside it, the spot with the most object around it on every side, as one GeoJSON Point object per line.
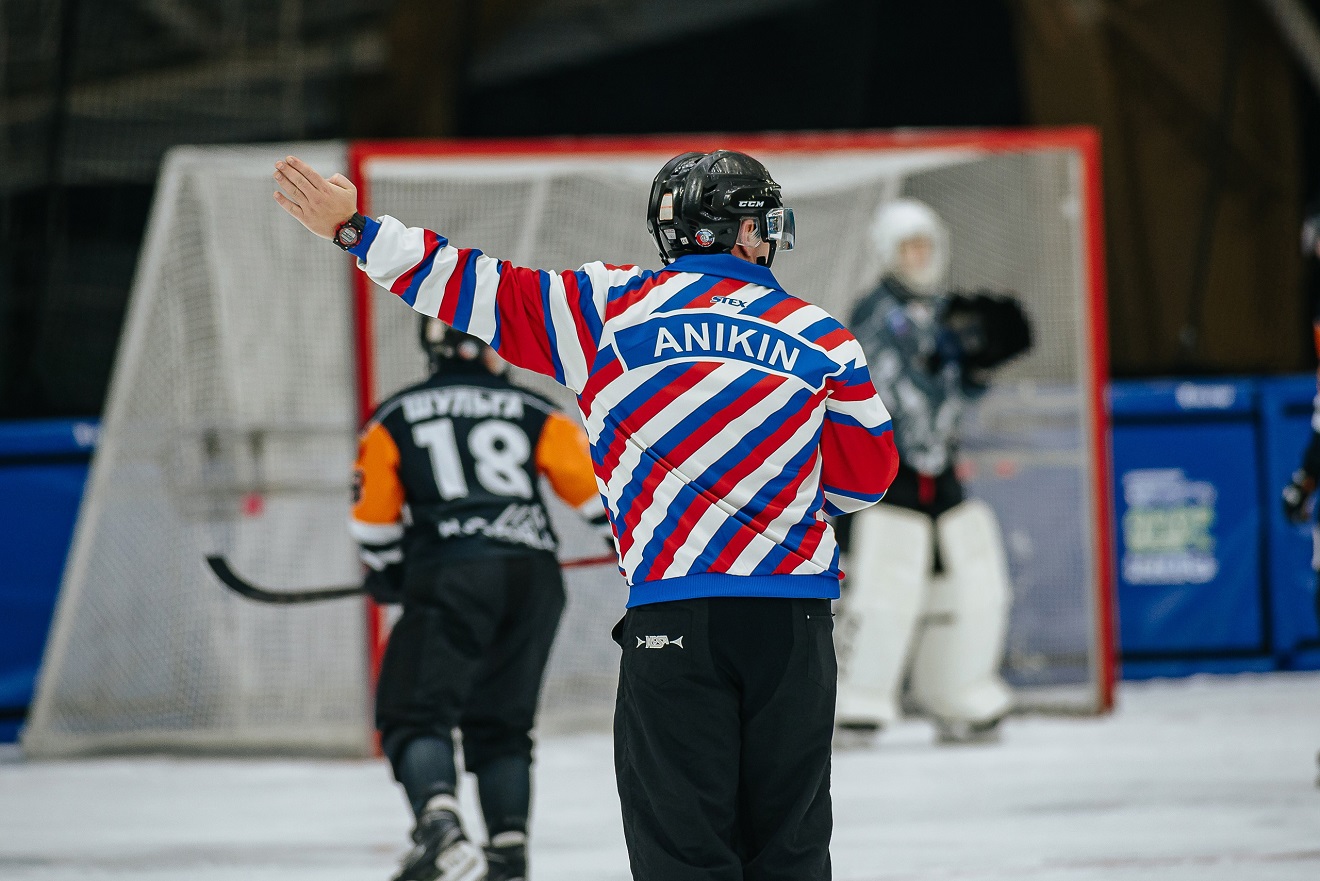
{"type": "Point", "coordinates": [251, 354]}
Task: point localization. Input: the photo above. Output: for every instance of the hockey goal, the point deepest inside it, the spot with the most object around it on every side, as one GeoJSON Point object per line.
{"type": "Point", "coordinates": [251, 353]}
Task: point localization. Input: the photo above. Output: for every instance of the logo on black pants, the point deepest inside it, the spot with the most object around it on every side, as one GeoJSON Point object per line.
{"type": "Point", "coordinates": [659, 642]}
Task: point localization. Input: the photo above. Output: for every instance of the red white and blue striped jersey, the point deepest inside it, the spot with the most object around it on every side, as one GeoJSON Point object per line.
{"type": "Point", "coordinates": [726, 417]}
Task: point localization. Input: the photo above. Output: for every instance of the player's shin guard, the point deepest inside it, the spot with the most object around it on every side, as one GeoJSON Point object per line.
{"type": "Point", "coordinates": [423, 764]}
{"type": "Point", "coordinates": [955, 670]}
{"type": "Point", "coordinates": [504, 784]}
{"type": "Point", "coordinates": [887, 577]}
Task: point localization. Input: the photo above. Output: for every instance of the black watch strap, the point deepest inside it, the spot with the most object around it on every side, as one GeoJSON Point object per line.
{"type": "Point", "coordinates": [349, 232]}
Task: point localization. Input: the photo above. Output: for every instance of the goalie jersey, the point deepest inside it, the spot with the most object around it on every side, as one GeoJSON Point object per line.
{"type": "Point", "coordinates": [903, 335]}
{"type": "Point", "coordinates": [450, 467]}
{"type": "Point", "coordinates": [725, 417]}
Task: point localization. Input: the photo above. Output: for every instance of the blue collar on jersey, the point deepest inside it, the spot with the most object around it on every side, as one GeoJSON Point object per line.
{"type": "Point", "coordinates": [725, 266]}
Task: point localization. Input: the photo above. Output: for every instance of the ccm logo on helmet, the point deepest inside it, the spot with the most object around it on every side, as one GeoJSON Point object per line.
{"type": "Point", "coordinates": [751, 203]}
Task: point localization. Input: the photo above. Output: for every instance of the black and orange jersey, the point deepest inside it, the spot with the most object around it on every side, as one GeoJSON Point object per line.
{"type": "Point", "coordinates": [452, 465]}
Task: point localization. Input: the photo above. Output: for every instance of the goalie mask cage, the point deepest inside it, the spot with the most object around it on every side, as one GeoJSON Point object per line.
{"type": "Point", "coordinates": [252, 352]}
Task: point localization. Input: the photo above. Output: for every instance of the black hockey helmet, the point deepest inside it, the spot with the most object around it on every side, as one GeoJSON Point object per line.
{"type": "Point", "coordinates": [698, 202]}
{"type": "Point", "coordinates": [446, 347]}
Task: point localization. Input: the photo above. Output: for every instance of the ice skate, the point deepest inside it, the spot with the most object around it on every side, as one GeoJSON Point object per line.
{"type": "Point", "coordinates": [850, 735]}
{"type": "Point", "coordinates": [442, 852]}
{"type": "Point", "coordinates": [506, 857]}
{"type": "Point", "coordinates": [959, 732]}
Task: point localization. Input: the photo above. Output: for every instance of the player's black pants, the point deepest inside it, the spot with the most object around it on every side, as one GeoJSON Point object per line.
{"type": "Point", "coordinates": [722, 739]}
{"type": "Point", "coordinates": [469, 652]}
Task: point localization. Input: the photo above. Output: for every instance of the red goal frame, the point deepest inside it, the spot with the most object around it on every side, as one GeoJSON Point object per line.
{"type": "Point", "coordinates": [1084, 140]}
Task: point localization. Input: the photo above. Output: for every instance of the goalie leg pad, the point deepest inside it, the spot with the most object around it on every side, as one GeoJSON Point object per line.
{"type": "Point", "coordinates": [887, 577]}
{"type": "Point", "coordinates": [955, 669]}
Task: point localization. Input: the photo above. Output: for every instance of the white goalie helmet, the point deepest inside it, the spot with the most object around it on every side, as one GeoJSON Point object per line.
{"type": "Point", "coordinates": [903, 220]}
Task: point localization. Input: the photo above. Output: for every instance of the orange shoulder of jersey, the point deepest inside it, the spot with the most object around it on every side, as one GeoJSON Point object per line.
{"type": "Point", "coordinates": [564, 457]}
{"type": "Point", "coordinates": [378, 492]}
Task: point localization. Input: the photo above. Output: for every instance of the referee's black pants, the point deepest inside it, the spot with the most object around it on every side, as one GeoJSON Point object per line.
{"type": "Point", "coordinates": [722, 735]}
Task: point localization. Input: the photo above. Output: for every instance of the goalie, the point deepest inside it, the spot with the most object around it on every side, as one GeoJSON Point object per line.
{"type": "Point", "coordinates": [928, 587]}
{"type": "Point", "coordinates": [451, 524]}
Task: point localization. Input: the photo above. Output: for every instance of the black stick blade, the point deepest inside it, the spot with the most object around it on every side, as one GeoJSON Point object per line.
{"type": "Point", "coordinates": [230, 579]}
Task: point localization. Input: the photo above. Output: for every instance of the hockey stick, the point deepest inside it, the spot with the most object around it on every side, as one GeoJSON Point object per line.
{"type": "Point", "coordinates": [584, 562]}
{"type": "Point", "coordinates": [231, 579]}
{"type": "Point", "coordinates": [220, 566]}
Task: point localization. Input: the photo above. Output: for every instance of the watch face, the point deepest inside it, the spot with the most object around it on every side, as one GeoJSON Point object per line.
{"type": "Point", "coordinates": [347, 235]}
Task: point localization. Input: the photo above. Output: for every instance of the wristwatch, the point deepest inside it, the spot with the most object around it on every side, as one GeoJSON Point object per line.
{"type": "Point", "coordinates": [349, 232]}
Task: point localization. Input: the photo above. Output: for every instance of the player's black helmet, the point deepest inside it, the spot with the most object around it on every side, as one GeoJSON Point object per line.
{"type": "Point", "coordinates": [445, 347]}
{"type": "Point", "coordinates": [698, 201]}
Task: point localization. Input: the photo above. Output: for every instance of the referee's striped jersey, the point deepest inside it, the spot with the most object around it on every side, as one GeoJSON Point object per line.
{"type": "Point", "coordinates": [725, 416]}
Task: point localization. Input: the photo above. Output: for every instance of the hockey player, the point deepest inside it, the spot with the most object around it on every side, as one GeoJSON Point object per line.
{"type": "Point", "coordinates": [1297, 495]}
{"type": "Point", "coordinates": [1297, 501]}
{"type": "Point", "coordinates": [928, 589]}
{"type": "Point", "coordinates": [451, 523]}
{"type": "Point", "coordinates": [726, 419]}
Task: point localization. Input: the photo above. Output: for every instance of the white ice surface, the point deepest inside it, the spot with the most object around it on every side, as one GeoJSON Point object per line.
{"type": "Point", "coordinates": [1201, 780]}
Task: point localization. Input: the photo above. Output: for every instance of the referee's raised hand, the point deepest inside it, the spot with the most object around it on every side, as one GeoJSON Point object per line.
{"type": "Point", "coordinates": [320, 204]}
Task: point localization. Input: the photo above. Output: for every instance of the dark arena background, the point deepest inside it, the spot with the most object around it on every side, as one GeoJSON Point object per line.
{"type": "Point", "coordinates": [1139, 173]}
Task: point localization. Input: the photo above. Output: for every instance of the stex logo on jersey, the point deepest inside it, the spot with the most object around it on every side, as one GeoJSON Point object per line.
{"type": "Point", "coordinates": [659, 642]}
{"type": "Point", "coordinates": [729, 301]}
{"type": "Point", "coordinates": [709, 335]}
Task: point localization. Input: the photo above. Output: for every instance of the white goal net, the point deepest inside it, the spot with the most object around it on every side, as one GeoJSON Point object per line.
{"type": "Point", "coordinates": [230, 426]}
